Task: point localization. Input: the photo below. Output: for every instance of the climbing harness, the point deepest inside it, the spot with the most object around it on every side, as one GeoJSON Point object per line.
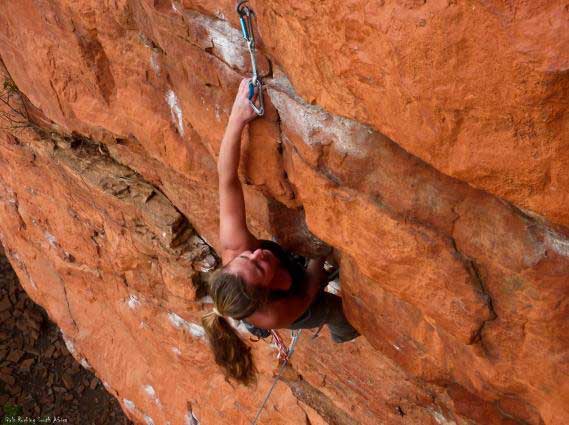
{"type": "Point", "coordinates": [284, 355]}
{"type": "Point", "coordinates": [246, 16]}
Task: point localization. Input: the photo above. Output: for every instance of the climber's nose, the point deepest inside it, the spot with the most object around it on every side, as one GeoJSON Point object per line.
{"type": "Point", "coordinates": [257, 254]}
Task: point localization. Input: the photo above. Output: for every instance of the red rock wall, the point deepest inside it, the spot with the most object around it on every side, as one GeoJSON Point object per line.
{"type": "Point", "coordinates": [425, 141]}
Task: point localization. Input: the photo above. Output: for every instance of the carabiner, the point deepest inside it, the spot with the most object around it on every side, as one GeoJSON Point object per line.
{"type": "Point", "coordinates": [245, 20]}
{"type": "Point", "coordinates": [259, 109]}
{"type": "Point", "coordinates": [240, 6]}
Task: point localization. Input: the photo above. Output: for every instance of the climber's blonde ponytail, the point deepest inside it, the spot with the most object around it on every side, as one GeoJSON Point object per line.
{"type": "Point", "coordinates": [229, 351]}
{"type": "Point", "coordinates": [232, 298]}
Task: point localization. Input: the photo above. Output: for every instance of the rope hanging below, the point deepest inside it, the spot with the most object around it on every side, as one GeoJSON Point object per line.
{"type": "Point", "coordinates": [284, 355]}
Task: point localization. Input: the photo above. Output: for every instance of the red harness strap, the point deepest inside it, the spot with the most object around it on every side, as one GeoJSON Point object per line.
{"type": "Point", "coordinates": [283, 349]}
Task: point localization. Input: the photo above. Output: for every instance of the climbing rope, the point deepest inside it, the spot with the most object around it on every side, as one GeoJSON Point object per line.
{"type": "Point", "coordinates": [284, 355]}
{"type": "Point", "coordinates": [246, 16]}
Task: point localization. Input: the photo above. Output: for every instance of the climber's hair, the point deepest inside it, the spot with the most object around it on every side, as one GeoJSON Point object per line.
{"type": "Point", "coordinates": [232, 298]}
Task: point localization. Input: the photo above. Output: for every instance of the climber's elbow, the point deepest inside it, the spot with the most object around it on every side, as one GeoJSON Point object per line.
{"type": "Point", "coordinates": [229, 184]}
{"type": "Point", "coordinates": [227, 168]}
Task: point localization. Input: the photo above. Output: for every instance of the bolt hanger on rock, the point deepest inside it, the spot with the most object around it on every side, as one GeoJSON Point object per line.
{"type": "Point", "coordinates": [246, 16]}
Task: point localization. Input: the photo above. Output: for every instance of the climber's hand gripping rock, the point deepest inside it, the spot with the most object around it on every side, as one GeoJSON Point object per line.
{"type": "Point", "coordinates": [242, 112]}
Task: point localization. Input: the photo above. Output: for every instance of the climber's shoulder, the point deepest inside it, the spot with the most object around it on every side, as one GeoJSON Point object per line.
{"type": "Point", "coordinates": [261, 319]}
{"type": "Point", "coordinates": [275, 315]}
{"type": "Point", "coordinates": [228, 253]}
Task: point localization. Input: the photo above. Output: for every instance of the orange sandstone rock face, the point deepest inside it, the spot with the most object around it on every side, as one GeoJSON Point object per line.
{"type": "Point", "coordinates": [384, 120]}
{"type": "Point", "coordinates": [479, 91]}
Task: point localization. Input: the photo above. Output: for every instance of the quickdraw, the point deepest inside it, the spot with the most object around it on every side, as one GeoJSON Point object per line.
{"type": "Point", "coordinates": [284, 355]}
{"type": "Point", "coordinates": [246, 16]}
{"type": "Point", "coordinates": [281, 346]}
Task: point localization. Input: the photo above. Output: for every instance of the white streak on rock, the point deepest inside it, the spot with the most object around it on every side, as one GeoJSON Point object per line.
{"type": "Point", "coordinates": [32, 282]}
{"type": "Point", "coordinates": [133, 301]}
{"type": "Point", "coordinates": [154, 64]}
{"type": "Point", "coordinates": [440, 418]}
{"type": "Point", "coordinates": [398, 348]}
{"type": "Point", "coordinates": [149, 390]}
{"type": "Point", "coordinates": [227, 41]}
{"type": "Point", "coordinates": [69, 344]}
{"type": "Point", "coordinates": [107, 386]}
{"type": "Point", "coordinates": [175, 319]}
{"type": "Point", "coordinates": [558, 243]}
{"type": "Point", "coordinates": [334, 287]}
{"type": "Point", "coordinates": [148, 420]}
{"type": "Point", "coordinates": [191, 419]}
{"type": "Point", "coordinates": [176, 351]}
{"type": "Point", "coordinates": [175, 110]}
{"type": "Point", "coordinates": [318, 127]}
{"type": "Point", "coordinates": [50, 239]}
{"type": "Point", "coordinates": [195, 330]}
{"type": "Point", "coordinates": [85, 363]}
{"type": "Point", "coordinates": [176, 8]}
{"type": "Point", "coordinates": [128, 404]}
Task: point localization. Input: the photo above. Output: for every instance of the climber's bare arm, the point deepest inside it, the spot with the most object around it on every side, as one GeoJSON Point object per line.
{"type": "Point", "coordinates": [281, 313]}
{"type": "Point", "coordinates": [233, 232]}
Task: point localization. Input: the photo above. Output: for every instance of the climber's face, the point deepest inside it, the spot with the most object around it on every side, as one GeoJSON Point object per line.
{"type": "Point", "coordinates": [256, 268]}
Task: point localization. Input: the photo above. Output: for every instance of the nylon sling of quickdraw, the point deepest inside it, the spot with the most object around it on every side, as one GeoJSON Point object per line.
{"type": "Point", "coordinates": [246, 16]}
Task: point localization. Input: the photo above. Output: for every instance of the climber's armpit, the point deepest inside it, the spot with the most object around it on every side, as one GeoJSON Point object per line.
{"type": "Point", "coordinates": [233, 232]}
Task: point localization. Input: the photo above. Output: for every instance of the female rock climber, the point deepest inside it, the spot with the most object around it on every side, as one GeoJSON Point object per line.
{"type": "Point", "coordinates": [259, 282]}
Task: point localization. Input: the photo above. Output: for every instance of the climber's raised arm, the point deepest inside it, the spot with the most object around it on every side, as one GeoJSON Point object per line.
{"type": "Point", "coordinates": [233, 232]}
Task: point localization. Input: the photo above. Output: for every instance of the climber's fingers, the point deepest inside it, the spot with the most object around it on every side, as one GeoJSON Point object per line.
{"type": "Point", "coordinates": [243, 86]}
{"type": "Point", "coordinates": [247, 89]}
{"type": "Point", "coordinates": [242, 109]}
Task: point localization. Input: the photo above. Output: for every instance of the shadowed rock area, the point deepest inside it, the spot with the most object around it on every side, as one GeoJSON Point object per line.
{"type": "Point", "coordinates": [39, 377]}
{"type": "Point", "coordinates": [426, 142]}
